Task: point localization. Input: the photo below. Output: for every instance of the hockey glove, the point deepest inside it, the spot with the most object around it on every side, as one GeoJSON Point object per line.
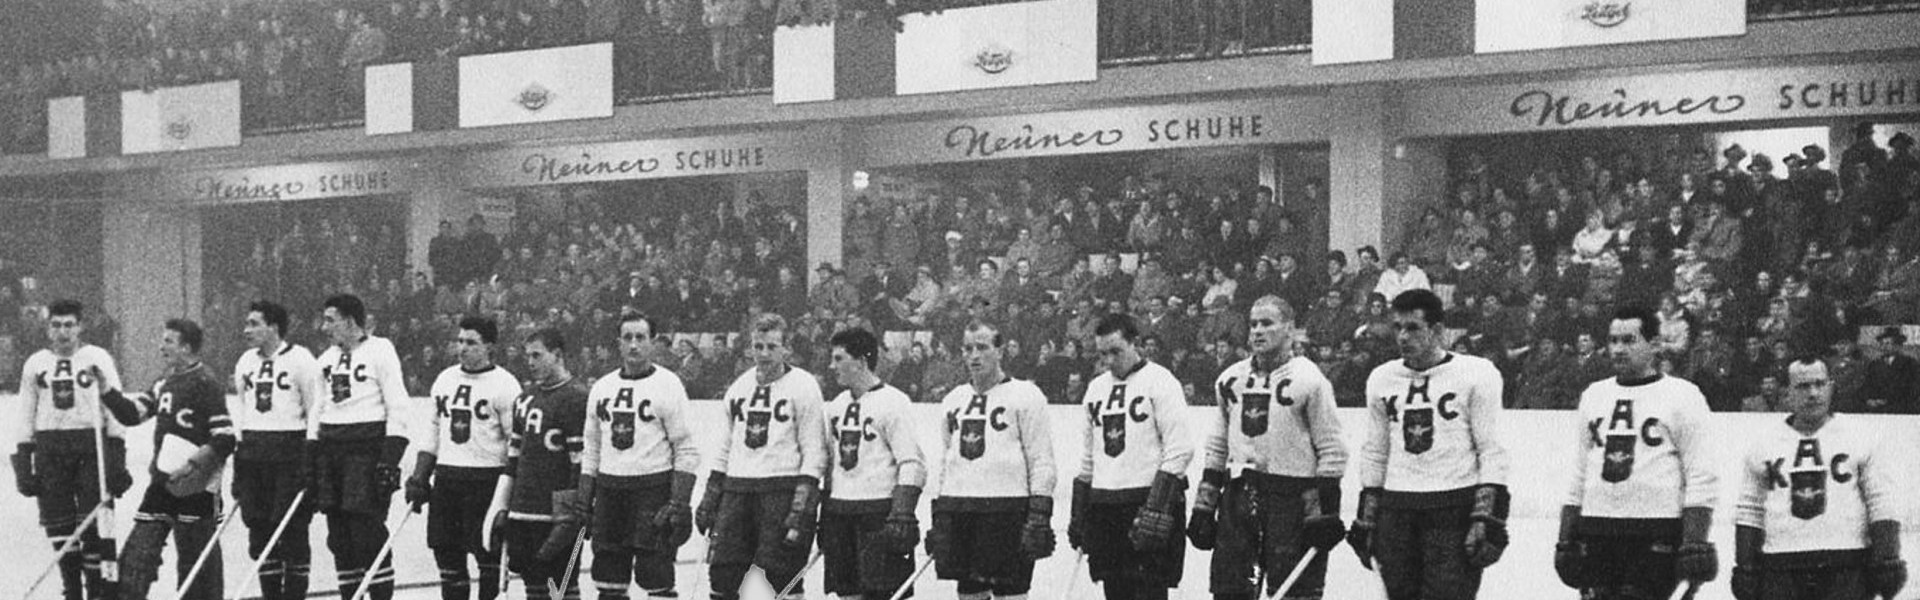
{"type": "Point", "coordinates": [569, 522]}
{"type": "Point", "coordinates": [673, 521]}
{"type": "Point", "coordinates": [1698, 560]}
{"type": "Point", "coordinates": [902, 531]}
{"type": "Point", "coordinates": [1077, 513]}
{"type": "Point", "coordinates": [1747, 543]}
{"type": "Point", "coordinates": [493, 529]}
{"type": "Point", "coordinates": [710, 502]}
{"type": "Point", "coordinates": [24, 478]}
{"type": "Point", "coordinates": [1360, 536]}
{"type": "Point", "coordinates": [1154, 523]}
{"type": "Point", "coordinates": [1202, 527]}
{"type": "Point", "coordinates": [386, 473]}
{"type": "Point", "coordinates": [805, 510]}
{"type": "Point", "coordinates": [1322, 527]}
{"type": "Point", "coordinates": [1487, 536]}
{"type": "Point", "coordinates": [119, 479]}
{"type": "Point", "coordinates": [1036, 535]}
{"type": "Point", "coordinates": [572, 507]}
{"type": "Point", "coordinates": [1886, 572]}
{"type": "Point", "coordinates": [420, 484]}
{"type": "Point", "coordinates": [198, 473]}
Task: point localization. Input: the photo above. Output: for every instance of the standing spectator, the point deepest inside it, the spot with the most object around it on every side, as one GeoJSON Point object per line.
{"type": "Point", "coordinates": [1893, 379]}
{"type": "Point", "coordinates": [479, 250]}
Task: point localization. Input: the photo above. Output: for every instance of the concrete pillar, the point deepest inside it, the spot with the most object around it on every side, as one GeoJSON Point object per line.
{"type": "Point", "coordinates": [438, 198]}
{"type": "Point", "coordinates": [829, 178]}
{"type": "Point", "coordinates": [152, 273]}
{"type": "Point", "coordinates": [1356, 164]}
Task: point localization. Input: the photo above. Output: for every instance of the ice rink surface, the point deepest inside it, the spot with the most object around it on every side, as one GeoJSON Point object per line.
{"type": "Point", "coordinates": [1536, 441]}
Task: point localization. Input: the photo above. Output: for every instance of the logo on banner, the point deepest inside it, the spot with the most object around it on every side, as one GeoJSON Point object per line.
{"type": "Point", "coordinates": [534, 98]}
{"type": "Point", "coordinates": [180, 129]}
{"type": "Point", "coordinates": [1606, 15]}
{"type": "Point", "coordinates": [993, 59]}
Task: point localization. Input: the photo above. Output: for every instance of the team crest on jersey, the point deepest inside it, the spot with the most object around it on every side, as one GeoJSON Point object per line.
{"type": "Point", "coordinates": [263, 387]}
{"type": "Point", "coordinates": [1619, 437]}
{"type": "Point", "coordinates": [62, 382]}
{"type": "Point", "coordinates": [972, 423]}
{"type": "Point", "coordinates": [1416, 418]}
{"type": "Point", "coordinates": [340, 379]}
{"type": "Point", "coordinates": [624, 419]}
{"type": "Point", "coordinates": [1806, 479]}
{"type": "Point", "coordinates": [759, 413]}
{"type": "Point", "coordinates": [459, 414]}
{"type": "Point", "coordinates": [847, 431]}
{"type": "Point", "coordinates": [1113, 423]}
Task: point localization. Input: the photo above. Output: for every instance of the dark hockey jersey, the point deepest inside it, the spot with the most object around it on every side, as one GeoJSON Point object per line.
{"type": "Point", "coordinates": [189, 409]}
{"type": "Point", "coordinates": [544, 456]}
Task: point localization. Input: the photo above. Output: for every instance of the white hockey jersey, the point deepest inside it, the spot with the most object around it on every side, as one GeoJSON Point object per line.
{"type": "Point", "coordinates": [472, 417]}
{"type": "Point", "coordinates": [638, 426]}
{"type": "Point", "coordinates": [1136, 426]}
{"type": "Point", "coordinates": [998, 444]}
{"type": "Point", "coordinates": [773, 430]}
{"type": "Point", "coordinates": [1433, 430]}
{"type": "Point", "coordinates": [1816, 492]}
{"type": "Point", "coordinates": [362, 386]}
{"type": "Point", "coordinates": [1643, 450]}
{"type": "Point", "coordinates": [873, 447]}
{"type": "Point", "coordinates": [60, 393]}
{"type": "Point", "coordinates": [1279, 422]}
{"type": "Point", "coordinates": [277, 390]}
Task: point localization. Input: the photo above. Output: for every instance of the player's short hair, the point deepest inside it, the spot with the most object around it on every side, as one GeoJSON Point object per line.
{"type": "Point", "coordinates": [272, 313]}
{"type": "Point", "coordinates": [349, 306]}
{"type": "Point", "coordinates": [629, 316]}
{"type": "Point", "coordinates": [858, 343]}
{"type": "Point", "coordinates": [999, 339]}
{"type": "Point", "coordinates": [1120, 323]}
{"type": "Point", "coordinates": [65, 307]}
{"type": "Point", "coordinates": [189, 331]}
{"type": "Point", "coordinates": [489, 332]}
{"type": "Point", "coordinates": [1649, 320]}
{"type": "Point", "coordinates": [549, 338]}
{"type": "Point", "coordinates": [1285, 309]}
{"type": "Point", "coordinates": [1432, 310]}
{"type": "Point", "coordinates": [770, 322]}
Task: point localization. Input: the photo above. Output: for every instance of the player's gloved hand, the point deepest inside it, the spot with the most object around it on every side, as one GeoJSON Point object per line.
{"type": "Point", "coordinates": [1746, 583]}
{"type": "Point", "coordinates": [494, 529]}
{"type": "Point", "coordinates": [24, 478]}
{"type": "Point", "coordinates": [902, 530]}
{"type": "Point", "coordinates": [1202, 529]}
{"type": "Point", "coordinates": [673, 520]}
{"type": "Point", "coordinates": [939, 542]}
{"type": "Point", "coordinates": [1698, 560]}
{"type": "Point", "coordinates": [197, 475]}
{"type": "Point", "coordinates": [420, 484]}
{"type": "Point", "coordinates": [386, 472]}
{"type": "Point", "coordinates": [570, 519]}
{"type": "Point", "coordinates": [1036, 535]}
{"type": "Point", "coordinates": [1154, 523]}
{"type": "Point", "coordinates": [1322, 527]}
{"type": "Point", "coordinates": [1487, 536]}
{"type": "Point", "coordinates": [1077, 513]}
{"type": "Point", "coordinates": [1886, 573]}
{"type": "Point", "coordinates": [1360, 536]}
{"type": "Point", "coordinates": [1570, 563]}
{"type": "Point", "coordinates": [710, 503]}
{"type": "Point", "coordinates": [802, 515]}
{"type": "Point", "coordinates": [119, 479]}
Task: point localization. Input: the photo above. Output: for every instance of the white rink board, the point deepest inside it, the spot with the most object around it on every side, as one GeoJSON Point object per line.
{"type": "Point", "coordinates": [1537, 440]}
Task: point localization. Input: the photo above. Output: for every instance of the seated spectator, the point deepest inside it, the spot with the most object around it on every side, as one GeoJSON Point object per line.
{"type": "Point", "coordinates": [1402, 277]}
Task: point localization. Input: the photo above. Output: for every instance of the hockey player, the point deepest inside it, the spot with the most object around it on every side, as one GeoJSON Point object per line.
{"type": "Point", "coordinates": [868, 527]}
{"type": "Point", "coordinates": [355, 463]}
{"type": "Point", "coordinates": [637, 469]}
{"type": "Point", "coordinates": [277, 382]}
{"type": "Point", "coordinates": [56, 462]}
{"type": "Point", "coordinates": [1643, 488]}
{"type": "Point", "coordinates": [764, 491]}
{"type": "Point", "coordinates": [543, 464]}
{"type": "Point", "coordinates": [993, 517]}
{"type": "Point", "coordinates": [1276, 447]}
{"type": "Point", "coordinates": [469, 425]}
{"type": "Point", "coordinates": [1131, 490]}
{"type": "Point", "coordinates": [192, 438]}
{"type": "Point", "coordinates": [1817, 516]}
{"type": "Point", "coordinates": [1433, 474]}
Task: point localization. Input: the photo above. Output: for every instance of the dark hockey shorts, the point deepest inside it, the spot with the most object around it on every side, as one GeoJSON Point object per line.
{"type": "Point", "coordinates": [69, 487]}
{"type": "Point", "coordinates": [857, 564]}
{"type": "Point", "coordinates": [264, 490]}
{"type": "Point", "coordinates": [1632, 566]}
{"type": "Point", "coordinates": [346, 479]}
{"type": "Point", "coordinates": [1259, 524]}
{"type": "Point", "coordinates": [985, 552]}
{"type": "Point", "coordinates": [456, 512]}
{"type": "Point", "coordinates": [1814, 576]}
{"type": "Point", "coordinates": [524, 539]}
{"type": "Point", "coordinates": [1110, 553]}
{"type": "Point", "coordinates": [1421, 553]}
{"type": "Point", "coordinates": [623, 517]}
{"type": "Point", "coordinates": [751, 529]}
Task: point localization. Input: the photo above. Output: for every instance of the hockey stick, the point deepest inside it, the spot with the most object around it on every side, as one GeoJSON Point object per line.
{"type": "Point", "coordinates": [1073, 575]}
{"type": "Point", "coordinates": [916, 577]}
{"type": "Point", "coordinates": [109, 561]}
{"type": "Point", "coordinates": [1688, 592]}
{"type": "Point", "coordinates": [505, 577]}
{"type": "Point", "coordinates": [373, 569]}
{"type": "Point", "coordinates": [272, 542]}
{"type": "Point", "coordinates": [573, 560]}
{"type": "Point", "coordinates": [212, 543]}
{"type": "Point", "coordinates": [801, 576]}
{"type": "Point", "coordinates": [1298, 569]}
{"type": "Point", "coordinates": [66, 547]}
{"type": "Point", "coordinates": [700, 569]}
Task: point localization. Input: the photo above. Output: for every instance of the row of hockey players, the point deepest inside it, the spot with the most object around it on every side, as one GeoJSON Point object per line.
{"type": "Point", "coordinates": [532, 474]}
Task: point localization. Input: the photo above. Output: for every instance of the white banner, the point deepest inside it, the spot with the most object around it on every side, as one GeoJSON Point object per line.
{"type": "Point", "coordinates": [1007, 45]}
{"type": "Point", "coordinates": [1666, 99]}
{"type": "Point", "coordinates": [306, 181]}
{"type": "Point", "coordinates": [647, 159]}
{"type": "Point", "coordinates": [536, 86]}
{"type": "Point", "coordinates": [180, 118]}
{"type": "Point", "coordinates": [1349, 31]}
{"type": "Point", "coordinates": [803, 68]}
{"type": "Point", "coordinates": [1511, 25]}
{"type": "Point", "coordinates": [1284, 120]}
{"type": "Point", "coordinates": [389, 99]}
{"type": "Point", "coordinates": [67, 127]}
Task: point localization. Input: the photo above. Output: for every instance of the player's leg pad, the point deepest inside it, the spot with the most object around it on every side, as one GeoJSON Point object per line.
{"type": "Point", "coordinates": [653, 570]}
{"type": "Point", "coordinates": [140, 564]}
{"type": "Point", "coordinates": [454, 581]}
{"type": "Point", "coordinates": [190, 539]}
{"type": "Point", "coordinates": [612, 571]}
{"type": "Point", "coordinates": [1236, 547]}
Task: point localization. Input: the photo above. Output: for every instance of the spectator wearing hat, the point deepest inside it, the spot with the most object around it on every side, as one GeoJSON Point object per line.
{"type": "Point", "coordinates": [1896, 288]}
{"type": "Point", "coordinates": [1814, 178]}
{"type": "Point", "coordinates": [1902, 164]}
{"type": "Point", "coordinates": [1892, 383]}
{"type": "Point", "coordinates": [1863, 151]}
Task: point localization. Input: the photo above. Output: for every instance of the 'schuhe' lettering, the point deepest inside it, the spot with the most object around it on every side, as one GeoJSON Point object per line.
{"type": "Point", "coordinates": [1207, 128]}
